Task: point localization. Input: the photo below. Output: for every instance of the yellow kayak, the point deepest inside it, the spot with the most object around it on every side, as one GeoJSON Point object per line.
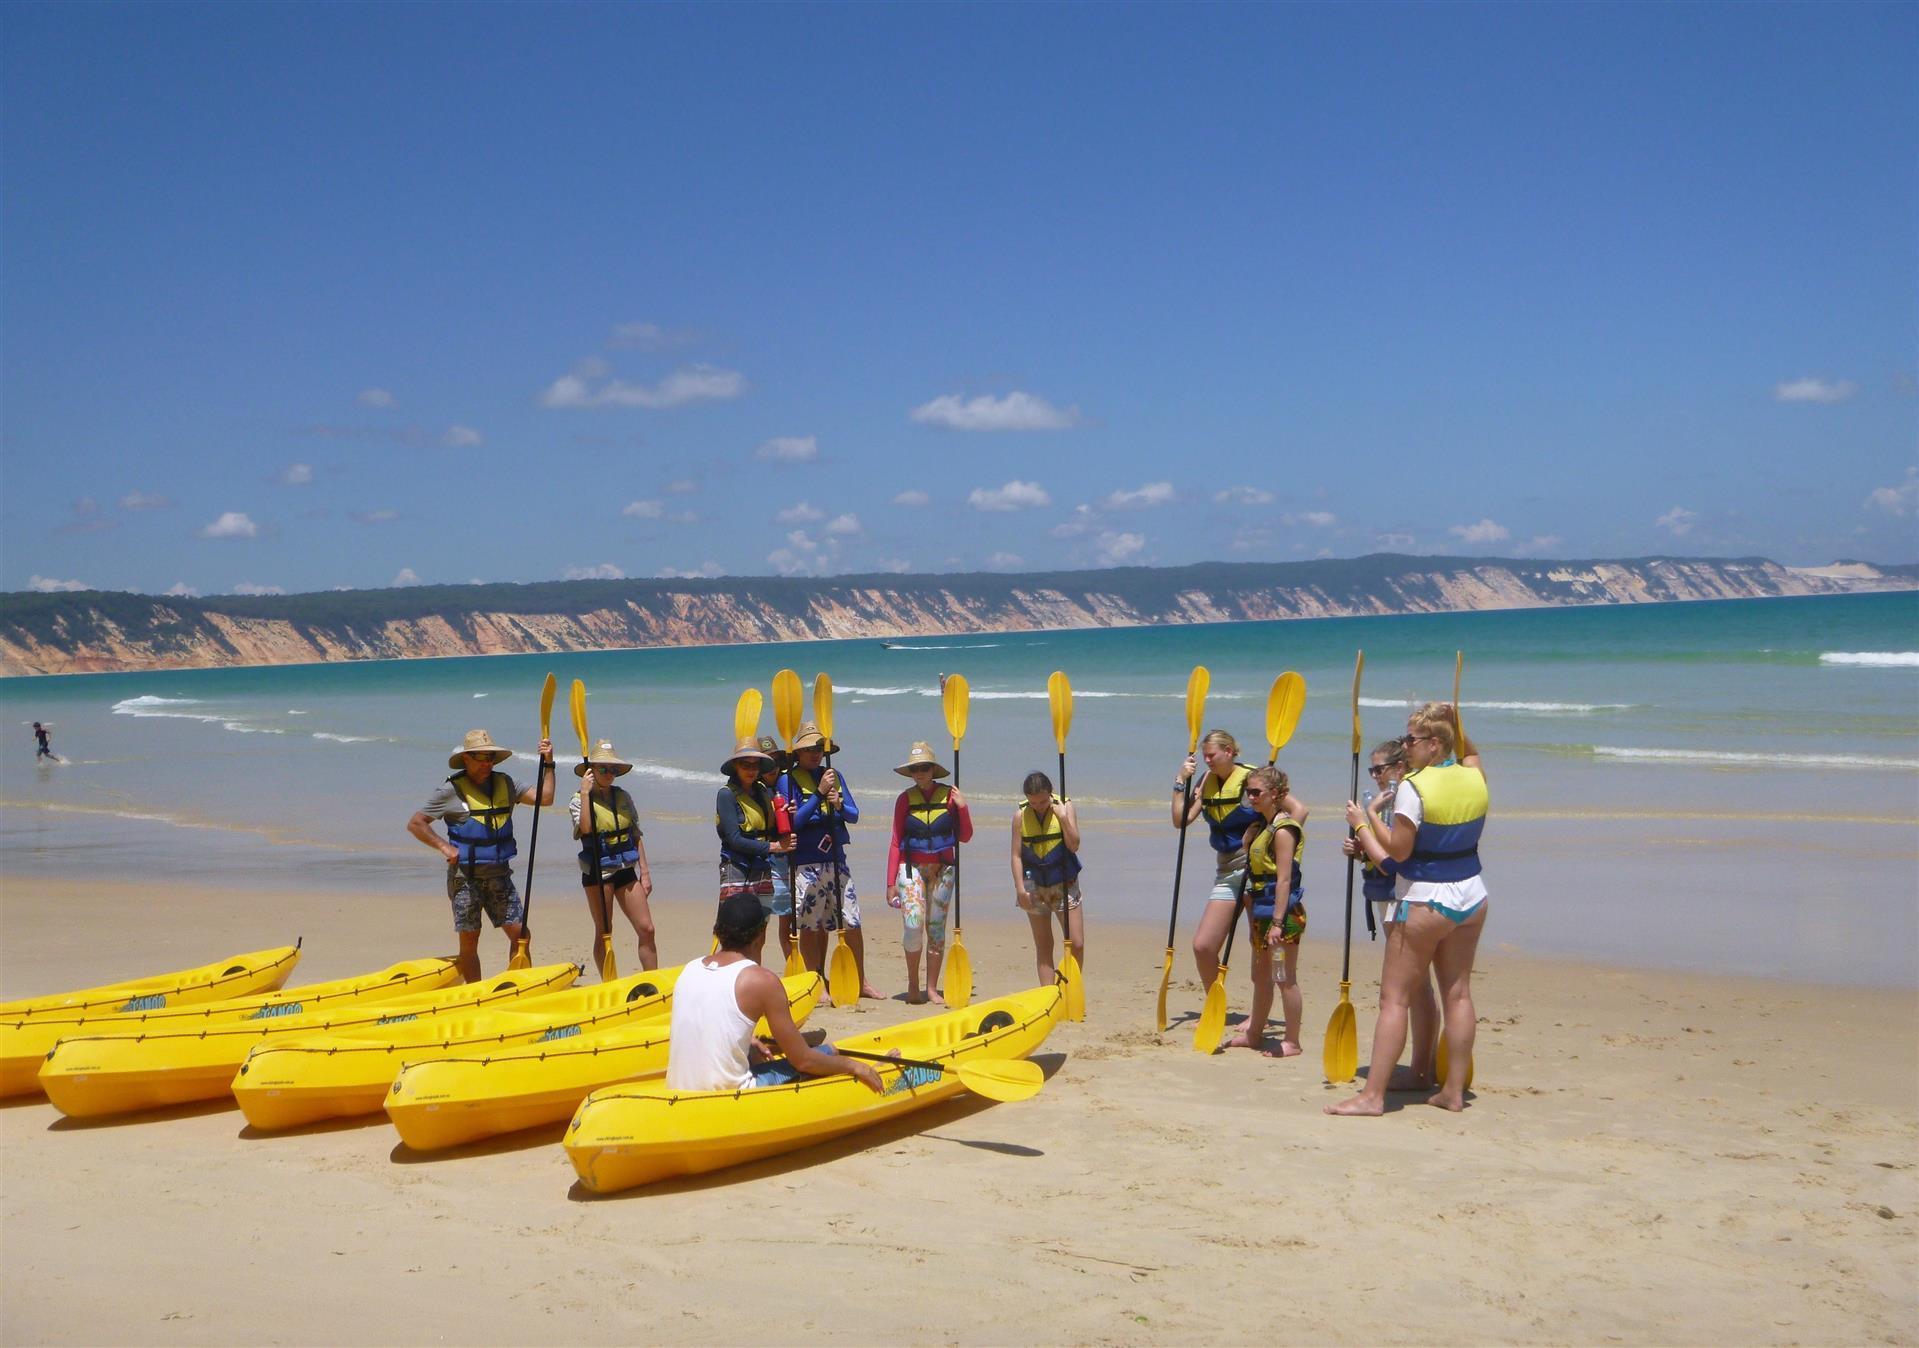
{"type": "Point", "coordinates": [93, 1074]}
{"type": "Point", "coordinates": [635, 1134]}
{"type": "Point", "coordinates": [299, 1079]}
{"type": "Point", "coordinates": [446, 1101]}
{"type": "Point", "coordinates": [24, 1044]}
{"type": "Point", "coordinates": [235, 976]}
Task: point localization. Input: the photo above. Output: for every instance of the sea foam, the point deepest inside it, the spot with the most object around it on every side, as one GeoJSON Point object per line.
{"type": "Point", "coordinates": [1874, 659]}
{"type": "Point", "coordinates": [1736, 759]}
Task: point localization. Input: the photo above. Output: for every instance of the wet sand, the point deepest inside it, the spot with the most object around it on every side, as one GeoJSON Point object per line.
{"type": "Point", "coordinates": [1647, 1157]}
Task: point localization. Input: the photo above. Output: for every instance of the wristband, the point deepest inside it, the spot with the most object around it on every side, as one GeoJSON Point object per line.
{"type": "Point", "coordinates": [1180, 786]}
{"type": "Point", "coordinates": [1365, 827]}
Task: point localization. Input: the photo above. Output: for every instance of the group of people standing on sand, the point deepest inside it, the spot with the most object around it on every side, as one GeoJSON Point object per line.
{"type": "Point", "coordinates": [783, 821]}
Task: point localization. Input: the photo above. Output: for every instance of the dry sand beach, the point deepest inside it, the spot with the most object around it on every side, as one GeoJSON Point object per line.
{"type": "Point", "coordinates": [1647, 1158]}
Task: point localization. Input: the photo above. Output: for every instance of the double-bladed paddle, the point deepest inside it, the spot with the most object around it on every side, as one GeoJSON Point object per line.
{"type": "Point", "coordinates": [609, 967]}
{"type": "Point", "coordinates": [955, 700]}
{"type": "Point", "coordinates": [523, 948]}
{"type": "Point", "coordinates": [786, 716]}
{"type": "Point", "coordinates": [1340, 1055]}
{"type": "Point", "coordinates": [1197, 684]}
{"type": "Point", "coordinates": [1059, 696]}
{"type": "Point", "coordinates": [1284, 703]}
{"type": "Point", "coordinates": [994, 1078]}
{"type": "Point", "coordinates": [843, 972]}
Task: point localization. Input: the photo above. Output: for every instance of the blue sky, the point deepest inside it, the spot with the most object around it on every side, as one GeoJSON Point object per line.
{"type": "Point", "coordinates": [309, 296]}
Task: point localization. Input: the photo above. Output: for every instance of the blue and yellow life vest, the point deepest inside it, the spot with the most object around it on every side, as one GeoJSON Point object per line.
{"type": "Point", "coordinates": [1226, 811]}
{"type": "Point", "coordinates": [1376, 880]}
{"type": "Point", "coordinates": [930, 827]}
{"type": "Point", "coordinates": [1043, 851]}
{"type": "Point", "coordinates": [756, 822]}
{"type": "Point", "coordinates": [1262, 867]}
{"type": "Point", "coordinates": [485, 836]}
{"type": "Point", "coordinates": [1453, 803]}
{"type": "Point", "coordinates": [617, 831]}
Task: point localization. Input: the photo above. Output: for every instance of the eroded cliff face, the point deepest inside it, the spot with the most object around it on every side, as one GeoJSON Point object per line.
{"type": "Point", "coordinates": [81, 634]}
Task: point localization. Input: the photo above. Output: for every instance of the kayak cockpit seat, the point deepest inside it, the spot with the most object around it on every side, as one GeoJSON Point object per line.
{"type": "Point", "coordinates": [998, 1020]}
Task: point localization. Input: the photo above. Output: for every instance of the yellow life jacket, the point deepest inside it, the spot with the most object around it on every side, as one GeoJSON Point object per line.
{"type": "Point", "coordinates": [1223, 803]}
{"type": "Point", "coordinates": [1042, 848]}
{"type": "Point", "coordinates": [930, 827]}
{"type": "Point", "coordinates": [485, 836]}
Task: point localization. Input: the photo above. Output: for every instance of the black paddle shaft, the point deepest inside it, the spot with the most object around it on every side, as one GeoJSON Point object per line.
{"type": "Point", "coordinates": [1239, 902]}
{"type": "Point", "coordinates": [1346, 956]}
{"type": "Point", "coordinates": [1179, 859]}
{"type": "Point", "coordinates": [533, 848]}
{"type": "Point", "coordinates": [956, 846]}
{"type": "Point", "coordinates": [1065, 931]}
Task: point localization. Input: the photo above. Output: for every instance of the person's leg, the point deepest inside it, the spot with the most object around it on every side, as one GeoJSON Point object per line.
{"type": "Point", "coordinates": [1453, 963]}
{"type": "Point", "coordinates": [1425, 1017]}
{"type": "Point", "coordinates": [939, 900]}
{"type": "Point", "coordinates": [1291, 1003]}
{"type": "Point", "coordinates": [1041, 922]}
{"type": "Point", "coordinates": [639, 912]}
{"type": "Point", "coordinates": [468, 959]}
{"type": "Point", "coordinates": [1252, 1031]}
{"type": "Point", "coordinates": [1076, 926]}
{"type": "Point", "coordinates": [851, 930]}
{"type": "Point", "coordinates": [913, 941]}
{"type": "Point", "coordinates": [1210, 936]}
{"type": "Point", "coordinates": [1409, 953]}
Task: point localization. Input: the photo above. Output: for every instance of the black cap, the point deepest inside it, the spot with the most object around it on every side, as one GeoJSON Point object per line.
{"type": "Point", "coordinates": [740, 919]}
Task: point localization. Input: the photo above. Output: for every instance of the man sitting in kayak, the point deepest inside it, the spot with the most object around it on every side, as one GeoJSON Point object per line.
{"type": "Point", "coordinates": [716, 1003]}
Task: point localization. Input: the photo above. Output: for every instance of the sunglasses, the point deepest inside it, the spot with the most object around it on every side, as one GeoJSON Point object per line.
{"type": "Point", "coordinates": [1381, 767]}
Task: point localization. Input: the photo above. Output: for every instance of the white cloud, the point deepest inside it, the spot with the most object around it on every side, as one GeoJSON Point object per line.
{"type": "Point", "coordinates": [406, 575]}
{"type": "Point", "coordinates": [604, 571]}
{"type": "Point", "coordinates": [912, 496]}
{"type": "Point", "coordinates": [180, 590]}
{"type": "Point", "coordinates": [1015, 412]}
{"type": "Point", "coordinates": [1483, 532]}
{"type": "Point", "coordinates": [643, 510]}
{"type": "Point", "coordinates": [648, 337]}
{"type": "Point", "coordinates": [461, 437]}
{"type": "Point", "coordinates": [1152, 494]}
{"type": "Point", "coordinates": [1084, 518]}
{"type": "Point", "coordinates": [376, 397]}
{"type": "Point", "coordinates": [1810, 390]}
{"type": "Point", "coordinates": [800, 513]}
{"type": "Point", "coordinates": [1015, 495]}
{"type": "Point", "coordinates": [248, 587]}
{"type": "Point", "coordinates": [1678, 521]}
{"type": "Point", "coordinates": [705, 571]}
{"type": "Point", "coordinates": [232, 524]}
{"type": "Point", "coordinates": [48, 585]}
{"type": "Point", "coordinates": [787, 562]}
{"type": "Point", "coordinates": [688, 384]}
{"type": "Point", "coordinates": [844, 526]}
{"type": "Point", "coordinates": [139, 500]}
{"type": "Point", "coordinates": [789, 449]}
{"type": "Point", "coordinates": [296, 475]}
{"type": "Point", "coordinates": [1110, 549]}
{"type": "Point", "coordinates": [1902, 499]}
{"type": "Point", "coordinates": [1243, 496]}
{"type": "Point", "coordinates": [380, 516]}
{"type": "Point", "coordinates": [1318, 519]}
{"type": "Point", "coordinates": [1005, 561]}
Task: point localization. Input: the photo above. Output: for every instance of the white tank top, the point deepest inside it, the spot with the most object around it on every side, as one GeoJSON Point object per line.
{"type": "Point", "coordinates": [707, 1048]}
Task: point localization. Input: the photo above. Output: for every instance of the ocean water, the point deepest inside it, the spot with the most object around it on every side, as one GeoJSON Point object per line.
{"type": "Point", "coordinates": [1727, 786]}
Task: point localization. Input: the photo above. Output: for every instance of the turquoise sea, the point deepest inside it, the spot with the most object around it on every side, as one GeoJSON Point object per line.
{"type": "Point", "coordinates": [1724, 786]}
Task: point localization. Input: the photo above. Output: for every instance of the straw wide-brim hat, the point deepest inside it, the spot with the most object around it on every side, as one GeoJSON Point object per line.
{"type": "Point", "coordinates": [603, 757]}
{"type": "Point", "coordinates": [746, 748]}
{"type": "Point", "coordinates": [811, 738]}
{"type": "Point", "coordinates": [921, 755]}
{"type": "Point", "coordinates": [477, 742]}
{"type": "Point", "coordinates": [771, 748]}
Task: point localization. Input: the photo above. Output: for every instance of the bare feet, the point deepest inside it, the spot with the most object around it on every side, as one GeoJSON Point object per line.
{"type": "Point", "coordinates": [1287, 1049]}
{"type": "Point", "coordinates": [1405, 1079]}
{"type": "Point", "coordinates": [1455, 1103]}
{"type": "Point", "coordinates": [914, 997]}
{"type": "Point", "coordinates": [867, 990]}
{"type": "Point", "coordinates": [1244, 1040]}
{"type": "Point", "coordinates": [937, 997]}
{"type": "Point", "coordinates": [1358, 1106]}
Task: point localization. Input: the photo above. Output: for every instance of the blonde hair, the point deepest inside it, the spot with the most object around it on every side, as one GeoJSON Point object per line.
{"type": "Point", "coordinates": [1431, 721]}
{"type": "Point", "coordinates": [1272, 778]}
{"type": "Point", "coordinates": [1220, 739]}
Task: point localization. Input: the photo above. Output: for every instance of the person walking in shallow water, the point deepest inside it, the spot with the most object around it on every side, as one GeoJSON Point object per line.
{"type": "Point", "coordinates": [476, 803]}
{"type": "Point", "coordinates": [43, 737]}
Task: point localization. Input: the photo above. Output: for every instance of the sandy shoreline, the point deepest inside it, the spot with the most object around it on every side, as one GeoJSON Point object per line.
{"type": "Point", "coordinates": [1649, 1157]}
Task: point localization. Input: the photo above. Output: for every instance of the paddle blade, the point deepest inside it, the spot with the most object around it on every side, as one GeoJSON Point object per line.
{"type": "Point", "coordinates": [1283, 706]}
{"type": "Point", "coordinates": [823, 705]}
{"type": "Point", "coordinates": [714, 949]}
{"type": "Point", "coordinates": [746, 716]}
{"type": "Point", "coordinates": [843, 982]}
{"type": "Point", "coordinates": [795, 962]}
{"type": "Point", "coordinates": [786, 704]}
{"type": "Point", "coordinates": [1059, 693]}
{"type": "Point", "coordinates": [1341, 1054]}
{"type": "Point", "coordinates": [959, 975]}
{"type": "Point", "coordinates": [1212, 1016]}
{"type": "Point", "coordinates": [522, 948]}
{"type": "Point", "coordinates": [955, 700]}
{"type": "Point", "coordinates": [1001, 1078]}
{"type": "Point", "coordinates": [1197, 684]}
{"type": "Point", "coordinates": [1359, 667]}
{"type": "Point", "coordinates": [1459, 730]}
{"type": "Point", "coordinates": [1165, 979]}
{"type": "Point", "coordinates": [546, 709]}
{"type": "Point", "coordinates": [1075, 986]}
{"type": "Point", "coordinates": [609, 967]}
{"type": "Point", "coordinates": [579, 718]}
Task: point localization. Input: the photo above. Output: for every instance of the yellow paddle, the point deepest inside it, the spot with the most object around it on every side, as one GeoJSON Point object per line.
{"type": "Point", "coordinates": [843, 972]}
{"type": "Point", "coordinates": [1283, 705]}
{"type": "Point", "coordinates": [609, 967]}
{"type": "Point", "coordinates": [786, 716]}
{"type": "Point", "coordinates": [1340, 1056]}
{"type": "Point", "coordinates": [746, 716]}
{"type": "Point", "coordinates": [994, 1078]}
{"type": "Point", "coordinates": [1059, 696]}
{"type": "Point", "coordinates": [523, 948]}
{"type": "Point", "coordinates": [959, 965]}
{"type": "Point", "coordinates": [1197, 684]}
{"type": "Point", "coordinates": [1440, 1062]}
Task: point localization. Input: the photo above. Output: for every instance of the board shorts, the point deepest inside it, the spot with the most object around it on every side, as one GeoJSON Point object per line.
{"type": "Point", "coordinates": [620, 879]}
{"type": "Point", "coordinates": [825, 891]}
{"type": "Point", "coordinates": [782, 892]}
{"type": "Point", "coordinates": [1229, 880]}
{"type": "Point", "coordinates": [780, 1072]}
{"type": "Point", "coordinates": [733, 881]}
{"type": "Point", "coordinates": [923, 907]}
{"type": "Point", "coordinates": [488, 891]}
{"type": "Point", "coordinates": [1048, 899]}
